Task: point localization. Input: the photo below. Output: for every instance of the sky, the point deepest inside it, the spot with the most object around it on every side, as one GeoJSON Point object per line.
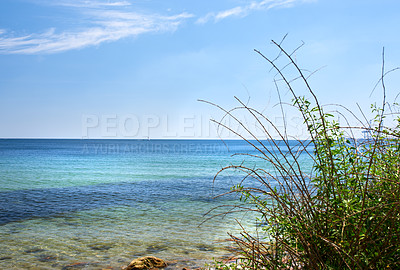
{"type": "Point", "coordinates": [137, 69]}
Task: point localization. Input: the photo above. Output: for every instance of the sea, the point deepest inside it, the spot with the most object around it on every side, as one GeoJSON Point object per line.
{"type": "Point", "coordinates": [98, 204]}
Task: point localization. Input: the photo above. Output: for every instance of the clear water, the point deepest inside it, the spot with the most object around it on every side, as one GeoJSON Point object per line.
{"type": "Point", "coordinates": [93, 204]}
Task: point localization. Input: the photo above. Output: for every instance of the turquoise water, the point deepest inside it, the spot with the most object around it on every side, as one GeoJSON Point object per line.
{"type": "Point", "coordinates": [102, 203]}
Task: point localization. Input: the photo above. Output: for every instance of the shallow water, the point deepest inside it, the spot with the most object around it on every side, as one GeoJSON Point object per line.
{"type": "Point", "coordinates": [93, 204]}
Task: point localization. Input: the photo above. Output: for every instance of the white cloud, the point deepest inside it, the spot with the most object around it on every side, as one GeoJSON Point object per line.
{"type": "Point", "coordinates": [87, 3]}
{"type": "Point", "coordinates": [237, 11]}
{"type": "Point", "coordinates": [242, 11]}
{"type": "Point", "coordinates": [108, 23]}
{"type": "Point", "coordinates": [111, 20]}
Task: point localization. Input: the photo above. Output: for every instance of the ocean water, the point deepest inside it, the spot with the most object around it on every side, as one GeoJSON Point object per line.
{"type": "Point", "coordinates": [95, 204]}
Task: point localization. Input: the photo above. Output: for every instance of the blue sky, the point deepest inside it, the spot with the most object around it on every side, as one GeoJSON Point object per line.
{"type": "Point", "coordinates": [132, 69]}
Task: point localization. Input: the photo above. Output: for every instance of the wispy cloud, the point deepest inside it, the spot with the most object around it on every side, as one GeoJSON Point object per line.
{"type": "Point", "coordinates": [91, 3]}
{"type": "Point", "coordinates": [242, 11]}
{"type": "Point", "coordinates": [99, 21]}
{"type": "Point", "coordinates": [109, 22]}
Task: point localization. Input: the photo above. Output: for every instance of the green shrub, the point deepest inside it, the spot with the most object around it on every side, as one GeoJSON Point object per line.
{"type": "Point", "coordinates": [345, 213]}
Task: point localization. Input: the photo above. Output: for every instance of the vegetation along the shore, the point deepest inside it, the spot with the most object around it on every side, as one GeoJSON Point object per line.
{"type": "Point", "coordinates": [345, 213]}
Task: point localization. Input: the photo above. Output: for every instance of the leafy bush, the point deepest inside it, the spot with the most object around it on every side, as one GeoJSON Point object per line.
{"type": "Point", "coordinates": [345, 213]}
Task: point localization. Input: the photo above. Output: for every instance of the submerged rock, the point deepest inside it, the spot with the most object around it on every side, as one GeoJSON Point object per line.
{"type": "Point", "coordinates": [46, 258]}
{"type": "Point", "coordinates": [143, 263]}
{"type": "Point", "coordinates": [34, 250]}
{"type": "Point", "coordinates": [205, 248]}
{"type": "Point", "coordinates": [156, 248]}
{"type": "Point", "coordinates": [79, 265]}
{"type": "Point", "coordinates": [101, 246]}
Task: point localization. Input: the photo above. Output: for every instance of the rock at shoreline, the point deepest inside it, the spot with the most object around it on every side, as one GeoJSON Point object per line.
{"type": "Point", "coordinates": [143, 263]}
